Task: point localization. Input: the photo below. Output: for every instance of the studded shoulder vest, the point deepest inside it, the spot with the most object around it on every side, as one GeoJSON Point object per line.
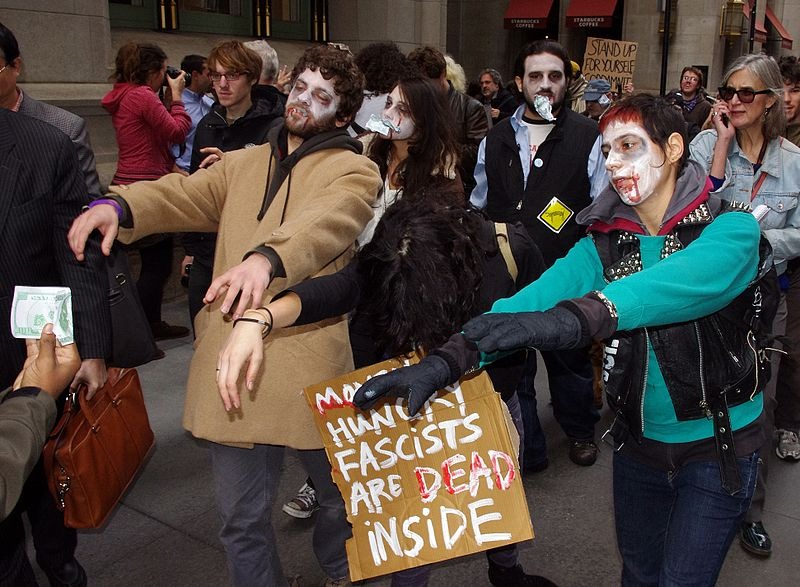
{"type": "Point", "coordinates": [702, 360]}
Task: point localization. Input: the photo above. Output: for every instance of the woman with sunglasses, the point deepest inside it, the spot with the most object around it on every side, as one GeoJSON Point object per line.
{"type": "Point", "coordinates": [748, 161]}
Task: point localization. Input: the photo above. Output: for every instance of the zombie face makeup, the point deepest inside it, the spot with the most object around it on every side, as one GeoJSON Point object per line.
{"type": "Point", "coordinates": [312, 104]}
{"type": "Point", "coordinates": [637, 166]}
{"type": "Point", "coordinates": [544, 76]}
{"type": "Point", "coordinates": [397, 116]}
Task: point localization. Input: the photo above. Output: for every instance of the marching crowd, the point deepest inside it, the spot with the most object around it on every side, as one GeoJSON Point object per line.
{"type": "Point", "coordinates": [345, 211]}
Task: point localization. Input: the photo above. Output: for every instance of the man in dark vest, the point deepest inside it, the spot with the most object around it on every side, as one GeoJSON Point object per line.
{"type": "Point", "coordinates": [542, 166]}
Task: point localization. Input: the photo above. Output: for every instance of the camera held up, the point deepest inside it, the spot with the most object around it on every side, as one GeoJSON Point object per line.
{"type": "Point", "coordinates": [174, 72]}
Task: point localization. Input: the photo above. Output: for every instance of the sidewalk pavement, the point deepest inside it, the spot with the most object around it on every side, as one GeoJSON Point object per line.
{"type": "Point", "coordinates": [165, 530]}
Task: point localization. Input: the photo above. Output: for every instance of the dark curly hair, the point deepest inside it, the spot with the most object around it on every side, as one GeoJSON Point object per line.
{"type": "Point", "coordinates": [433, 146]}
{"type": "Point", "coordinates": [136, 61]}
{"type": "Point", "coordinates": [348, 81]}
{"type": "Point", "coordinates": [429, 61]}
{"type": "Point", "coordinates": [425, 267]}
{"type": "Point", "coordinates": [790, 69]}
{"type": "Point", "coordinates": [382, 65]}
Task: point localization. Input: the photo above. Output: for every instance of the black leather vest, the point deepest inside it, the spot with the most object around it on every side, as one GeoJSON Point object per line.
{"type": "Point", "coordinates": [558, 171]}
{"type": "Point", "coordinates": [717, 356]}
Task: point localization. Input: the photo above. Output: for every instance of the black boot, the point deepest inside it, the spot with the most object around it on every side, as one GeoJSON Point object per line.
{"type": "Point", "coordinates": [515, 577]}
{"type": "Point", "coordinates": [70, 574]}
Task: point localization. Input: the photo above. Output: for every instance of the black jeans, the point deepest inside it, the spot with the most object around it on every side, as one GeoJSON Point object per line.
{"type": "Point", "coordinates": [199, 282]}
{"type": "Point", "coordinates": [156, 267]}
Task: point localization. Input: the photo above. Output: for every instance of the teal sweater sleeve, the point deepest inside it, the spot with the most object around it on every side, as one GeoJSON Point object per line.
{"type": "Point", "coordinates": [572, 276]}
{"type": "Point", "coordinates": [701, 279]}
{"type": "Point", "coordinates": [697, 281]}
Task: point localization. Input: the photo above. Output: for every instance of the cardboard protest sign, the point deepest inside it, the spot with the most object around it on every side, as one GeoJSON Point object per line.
{"type": "Point", "coordinates": [440, 485]}
{"type": "Point", "coordinates": [614, 61]}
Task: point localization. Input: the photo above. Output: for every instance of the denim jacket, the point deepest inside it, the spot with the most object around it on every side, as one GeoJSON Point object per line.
{"type": "Point", "coordinates": [780, 190]}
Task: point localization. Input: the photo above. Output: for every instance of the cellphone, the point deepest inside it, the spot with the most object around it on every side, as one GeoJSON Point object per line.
{"type": "Point", "coordinates": [725, 119]}
{"type": "Point", "coordinates": [760, 211]}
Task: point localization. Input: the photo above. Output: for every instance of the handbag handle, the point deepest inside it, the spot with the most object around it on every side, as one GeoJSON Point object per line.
{"type": "Point", "coordinates": [114, 375]}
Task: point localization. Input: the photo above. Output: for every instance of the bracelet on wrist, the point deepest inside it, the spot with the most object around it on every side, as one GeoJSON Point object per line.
{"type": "Point", "coordinates": [113, 203]}
{"type": "Point", "coordinates": [266, 326]}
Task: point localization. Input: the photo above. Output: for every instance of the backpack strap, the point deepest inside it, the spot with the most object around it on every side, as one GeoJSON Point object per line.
{"type": "Point", "coordinates": [501, 232]}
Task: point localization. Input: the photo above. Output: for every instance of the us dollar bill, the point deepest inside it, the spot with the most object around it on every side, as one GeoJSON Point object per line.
{"type": "Point", "coordinates": [33, 307]}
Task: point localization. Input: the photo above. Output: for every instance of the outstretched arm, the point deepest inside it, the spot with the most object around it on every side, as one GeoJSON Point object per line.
{"type": "Point", "coordinates": [245, 346]}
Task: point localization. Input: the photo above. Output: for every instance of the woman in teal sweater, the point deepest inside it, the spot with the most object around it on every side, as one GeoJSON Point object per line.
{"type": "Point", "coordinates": [674, 282]}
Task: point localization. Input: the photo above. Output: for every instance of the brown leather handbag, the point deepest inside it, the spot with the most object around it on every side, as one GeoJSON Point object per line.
{"type": "Point", "coordinates": [97, 448]}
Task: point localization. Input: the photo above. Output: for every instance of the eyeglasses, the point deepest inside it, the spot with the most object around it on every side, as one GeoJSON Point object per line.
{"type": "Point", "coordinates": [746, 95]}
{"type": "Point", "coordinates": [231, 76]}
{"type": "Point", "coordinates": [689, 78]}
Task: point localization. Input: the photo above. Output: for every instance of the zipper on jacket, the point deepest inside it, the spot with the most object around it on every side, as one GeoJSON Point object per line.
{"type": "Point", "coordinates": [704, 400]}
{"type": "Point", "coordinates": [722, 340]}
{"type": "Point", "coordinates": [644, 380]}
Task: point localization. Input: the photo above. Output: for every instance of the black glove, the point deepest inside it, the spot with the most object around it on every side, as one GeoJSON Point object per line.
{"type": "Point", "coordinates": [557, 328]}
{"type": "Point", "coordinates": [416, 383]}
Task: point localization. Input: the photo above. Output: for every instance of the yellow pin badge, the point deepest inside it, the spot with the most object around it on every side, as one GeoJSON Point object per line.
{"type": "Point", "coordinates": [555, 215]}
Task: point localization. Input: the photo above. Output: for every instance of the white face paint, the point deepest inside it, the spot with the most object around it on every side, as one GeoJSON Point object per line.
{"type": "Point", "coordinates": [398, 117]}
{"type": "Point", "coordinates": [635, 163]}
{"type": "Point", "coordinates": [544, 76]}
{"type": "Point", "coordinates": [312, 104]}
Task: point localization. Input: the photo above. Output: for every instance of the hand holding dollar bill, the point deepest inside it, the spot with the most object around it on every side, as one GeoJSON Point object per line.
{"type": "Point", "coordinates": [33, 307]}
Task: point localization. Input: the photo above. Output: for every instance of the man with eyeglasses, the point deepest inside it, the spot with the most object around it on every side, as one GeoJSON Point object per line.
{"type": "Point", "coordinates": [234, 122]}
{"type": "Point", "coordinates": [694, 101]}
{"type": "Point", "coordinates": [284, 211]}
{"type": "Point", "coordinates": [13, 98]}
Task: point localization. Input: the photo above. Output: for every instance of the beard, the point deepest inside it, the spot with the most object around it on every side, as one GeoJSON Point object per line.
{"type": "Point", "coordinates": [301, 123]}
{"type": "Point", "coordinates": [555, 106]}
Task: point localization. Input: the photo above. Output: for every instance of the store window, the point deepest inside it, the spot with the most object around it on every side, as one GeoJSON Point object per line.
{"type": "Point", "coordinates": [286, 10]}
{"type": "Point", "coordinates": [228, 7]}
{"type": "Point", "coordinates": [282, 19]}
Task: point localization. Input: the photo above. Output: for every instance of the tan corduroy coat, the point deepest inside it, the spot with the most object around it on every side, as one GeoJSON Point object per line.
{"type": "Point", "coordinates": [328, 205]}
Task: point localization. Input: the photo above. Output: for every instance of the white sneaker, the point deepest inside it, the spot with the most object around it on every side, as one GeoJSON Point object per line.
{"type": "Point", "coordinates": [788, 447]}
{"type": "Point", "coordinates": [303, 504]}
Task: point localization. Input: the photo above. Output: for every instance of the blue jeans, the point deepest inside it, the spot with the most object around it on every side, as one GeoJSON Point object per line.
{"type": "Point", "coordinates": [674, 527]}
{"type": "Point", "coordinates": [569, 376]}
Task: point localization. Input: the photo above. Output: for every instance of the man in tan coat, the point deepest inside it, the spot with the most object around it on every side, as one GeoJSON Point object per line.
{"type": "Point", "coordinates": [284, 211]}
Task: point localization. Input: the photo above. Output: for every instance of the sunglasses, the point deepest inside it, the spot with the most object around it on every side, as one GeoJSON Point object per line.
{"type": "Point", "coordinates": [746, 95]}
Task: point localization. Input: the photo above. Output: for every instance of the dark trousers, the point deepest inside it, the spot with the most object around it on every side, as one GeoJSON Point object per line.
{"type": "Point", "coordinates": [55, 544]}
{"type": "Point", "coordinates": [199, 282]}
{"type": "Point", "coordinates": [156, 267]}
{"type": "Point", "coordinates": [756, 511]}
{"type": "Point", "coordinates": [787, 393]}
{"type": "Point", "coordinates": [570, 377]}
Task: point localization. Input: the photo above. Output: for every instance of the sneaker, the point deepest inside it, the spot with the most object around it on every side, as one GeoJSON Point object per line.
{"type": "Point", "coordinates": [303, 504]}
{"type": "Point", "coordinates": [583, 453]}
{"type": "Point", "coordinates": [515, 577]}
{"type": "Point", "coordinates": [163, 331]}
{"type": "Point", "coordinates": [788, 447]}
{"type": "Point", "coordinates": [343, 582]}
{"type": "Point", "coordinates": [754, 539]}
